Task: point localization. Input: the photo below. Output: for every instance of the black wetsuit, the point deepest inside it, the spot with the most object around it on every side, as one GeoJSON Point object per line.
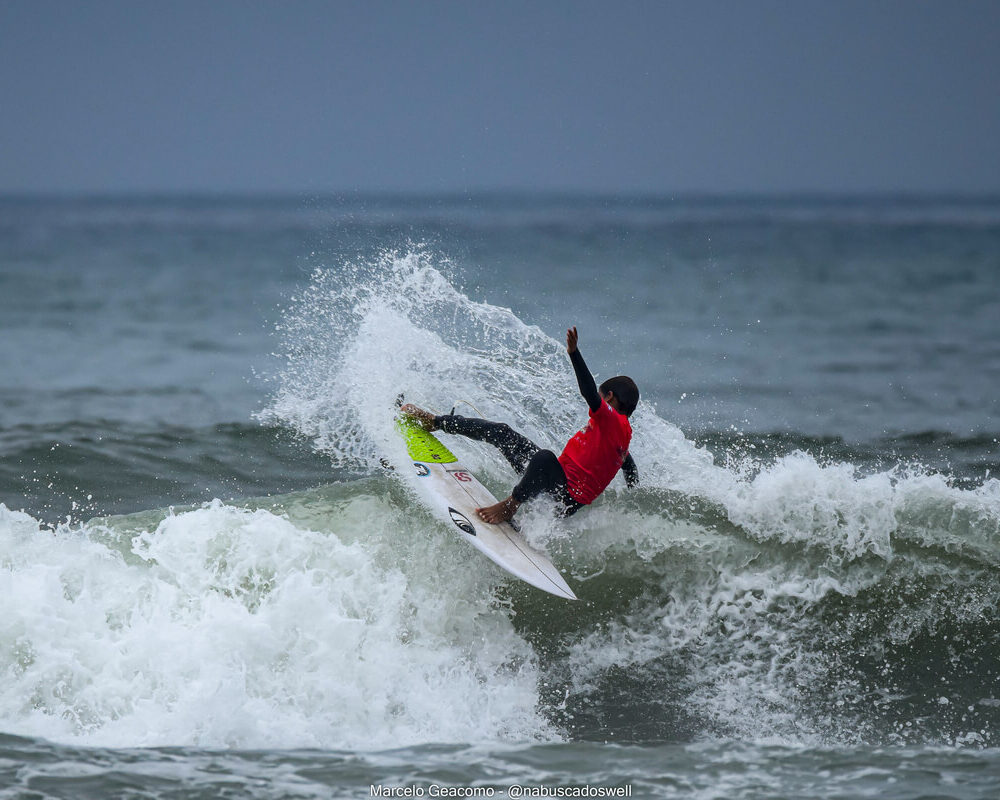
{"type": "Point", "coordinates": [539, 469]}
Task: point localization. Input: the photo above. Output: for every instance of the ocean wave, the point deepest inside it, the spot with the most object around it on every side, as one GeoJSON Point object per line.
{"type": "Point", "coordinates": [775, 595]}
{"type": "Point", "coordinates": [710, 587]}
{"type": "Point", "coordinates": [346, 616]}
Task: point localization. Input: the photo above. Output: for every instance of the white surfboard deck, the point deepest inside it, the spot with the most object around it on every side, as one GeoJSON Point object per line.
{"type": "Point", "coordinates": [454, 494]}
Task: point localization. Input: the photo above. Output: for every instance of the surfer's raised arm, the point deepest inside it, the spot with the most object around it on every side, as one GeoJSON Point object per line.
{"type": "Point", "coordinates": [588, 386]}
{"type": "Point", "coordinates": [620, 393]}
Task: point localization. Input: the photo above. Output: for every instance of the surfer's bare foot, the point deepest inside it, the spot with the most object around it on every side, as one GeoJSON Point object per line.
{"type": "Point", "coordinates": [501, 512]}
{"type": "Point", "coordinates": [424, 419]}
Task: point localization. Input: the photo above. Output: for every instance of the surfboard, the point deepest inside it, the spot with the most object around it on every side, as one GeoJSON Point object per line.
{"type": "Point", "coordinates": [454, 494]}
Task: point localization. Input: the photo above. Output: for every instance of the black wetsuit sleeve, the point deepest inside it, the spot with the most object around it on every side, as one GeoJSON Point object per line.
{"type": "Point", "coordinates": [630, 471]}
{"type": "Point", "coordinates": [588, 386]}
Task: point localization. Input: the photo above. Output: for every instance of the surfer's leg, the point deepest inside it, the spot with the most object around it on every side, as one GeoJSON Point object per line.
{"type": "Point", "coordinates": [542, 475]}
{"type": "Point", "coordinates": [545, 475]}
{"type": "Point", "coordinates": [515, 447]}
{"type": "Point", "coordinates": [501, 512]}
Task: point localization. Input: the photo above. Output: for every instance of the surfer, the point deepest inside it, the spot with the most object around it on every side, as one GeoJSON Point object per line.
{"type": "Point", "coordinates": [591, 458]}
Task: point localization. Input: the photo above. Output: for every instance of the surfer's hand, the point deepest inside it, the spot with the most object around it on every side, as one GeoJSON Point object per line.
{"type": "Point", "coordinates": [571, 338]}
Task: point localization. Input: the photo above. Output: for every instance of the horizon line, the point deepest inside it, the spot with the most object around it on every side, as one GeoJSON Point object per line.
{"type": "Point", "coordinates": [478, 193]}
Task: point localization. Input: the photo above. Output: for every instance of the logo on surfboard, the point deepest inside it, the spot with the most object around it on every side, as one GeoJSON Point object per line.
{"type": "Point", "coordinates": [461, 521]}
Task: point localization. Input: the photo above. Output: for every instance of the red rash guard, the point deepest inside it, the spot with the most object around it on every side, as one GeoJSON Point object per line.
{"type": "Point", "coordinates": [594, 455]}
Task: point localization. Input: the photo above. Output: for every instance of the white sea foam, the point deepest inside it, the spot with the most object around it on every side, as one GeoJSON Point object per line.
{"type": "Point", "coordinates": [229, 627]}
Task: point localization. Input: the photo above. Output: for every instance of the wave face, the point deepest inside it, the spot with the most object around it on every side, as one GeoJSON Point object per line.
{"type": "Point", "coordinates": [787, 598]}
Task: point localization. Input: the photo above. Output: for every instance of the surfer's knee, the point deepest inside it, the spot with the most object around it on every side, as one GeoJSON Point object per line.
{"type": "Point", "coordinates": [547, 461]}
{"type": "Point", "coordinates": [543, 473]}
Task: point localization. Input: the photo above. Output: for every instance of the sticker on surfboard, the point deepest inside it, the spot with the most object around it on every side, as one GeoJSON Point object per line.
{"type": "Point", "coordinates": [461, 521]}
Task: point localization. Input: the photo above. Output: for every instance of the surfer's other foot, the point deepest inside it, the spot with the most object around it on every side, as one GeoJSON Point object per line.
{"type": "Point", "coordinates": [423, 419]}
{"type": "Point", "coordinates": [501, 512]}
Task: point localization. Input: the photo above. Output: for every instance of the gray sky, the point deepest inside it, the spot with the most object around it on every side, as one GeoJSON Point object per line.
{"type": "Point", "coordinates": [663, 97]}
